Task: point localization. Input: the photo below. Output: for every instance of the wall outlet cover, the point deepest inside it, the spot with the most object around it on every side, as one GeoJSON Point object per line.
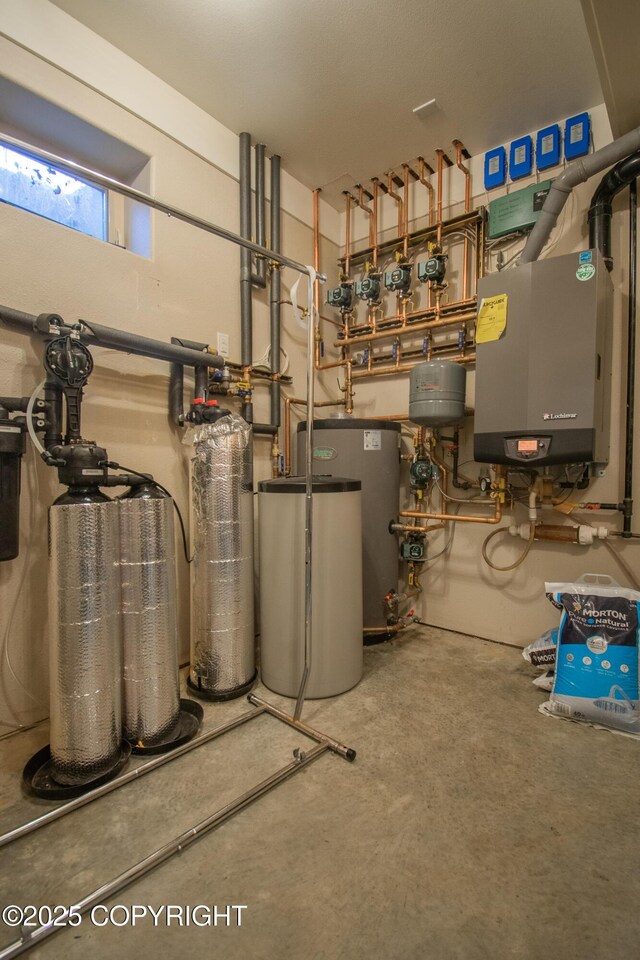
{"type": "Point", "coordinates": [223, 344]}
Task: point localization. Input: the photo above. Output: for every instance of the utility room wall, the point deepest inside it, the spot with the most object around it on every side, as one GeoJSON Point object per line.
{"type": "Point", "coordinates": [189, 287]}
{"type": "Point", "coordinates": [460, 592]}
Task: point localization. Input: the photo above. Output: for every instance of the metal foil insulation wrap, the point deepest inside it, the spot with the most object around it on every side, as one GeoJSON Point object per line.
{"type": "Point", "coordinates": [151, 695]}
{"type": "Point", "coordinates": [85, 640]}
{"type": "Point", "coordinates": [222, 615]}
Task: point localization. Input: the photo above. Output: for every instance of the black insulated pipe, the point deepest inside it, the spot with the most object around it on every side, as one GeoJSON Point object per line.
{"type": "Point", "coordinates": [600, 213]}
{"type": "Point", "coordinates": [259, 278]}
{"type": "Point", "coordinates": [627, 503]}
{"type": "Point", "coordinates": [101, 336]}
{"type": "Point", "coordinates": [274, 302]}
{"type": "Point", "coordinates": [176, 394]}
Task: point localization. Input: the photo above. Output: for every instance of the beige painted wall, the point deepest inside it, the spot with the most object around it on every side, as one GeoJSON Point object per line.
{"type": "Point", "coordinates": [460, 591]}
{"type": "Point", "coordinates": [189, 287]}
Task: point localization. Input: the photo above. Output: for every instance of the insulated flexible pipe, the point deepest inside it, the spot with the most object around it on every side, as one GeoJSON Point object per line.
{"type": "Point", "coordinates": [577, 172]}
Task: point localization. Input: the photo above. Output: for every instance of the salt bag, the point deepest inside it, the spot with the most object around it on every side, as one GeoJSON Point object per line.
{"type": "Point", "coordinates": [596, 677]}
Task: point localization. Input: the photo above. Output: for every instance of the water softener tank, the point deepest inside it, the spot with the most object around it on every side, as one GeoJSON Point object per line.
{"type": "Point", "coordinates": [222, 619]}
{"type": "Point", "coordinates": [368, 451]}
{"type": "Point", "coordinates": [151, 696]}
{"type": "Point", "coordinates": [336, 662]}
{"type": "Point", "coordinates": [437, 393]}
{"type": "Point", "coordinates": [85, 637]}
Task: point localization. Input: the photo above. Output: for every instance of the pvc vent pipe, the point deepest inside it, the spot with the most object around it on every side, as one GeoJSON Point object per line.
{"type": "Point", "coordinates": [577, 172]}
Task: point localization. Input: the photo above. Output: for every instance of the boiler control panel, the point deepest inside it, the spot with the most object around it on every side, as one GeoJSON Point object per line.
{"type": "Point", "coordinates": [527, 448]}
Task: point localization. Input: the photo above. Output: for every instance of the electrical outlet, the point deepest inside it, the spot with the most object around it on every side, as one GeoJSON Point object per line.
{"type": "Point", "coordinates": [223, 344]}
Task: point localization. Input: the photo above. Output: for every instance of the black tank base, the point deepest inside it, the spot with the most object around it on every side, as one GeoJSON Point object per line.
{"type": "Point", "coordinates": [371, 639]}
{"type": "Point", "coordinates": [38, 781]}
{"type": "Point", "coordinates": [189, 721]}
{"type": "Point", "coordinates": [219, 696]}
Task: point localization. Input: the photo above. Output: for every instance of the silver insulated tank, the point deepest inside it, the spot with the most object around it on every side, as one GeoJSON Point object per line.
{"type": "Point", "coordinates": [369, 451]}
{"type": "Point", "coordinates": [85, 638]}
{"type": "Point", "coordinates": [222, 619]}
{"type": "Point", "coordinates": [151, 695]}
{"type": "Point", "coordinates": [437, 393]}
{"type": "Point", "coordinates": [336, 659]}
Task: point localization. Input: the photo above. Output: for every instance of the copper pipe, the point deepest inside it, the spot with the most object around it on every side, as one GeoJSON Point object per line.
{"type": "Point", "coordinates": [423, 312]}
{"type": "Point", "coordinates": [420, 236]}
{"type": "Point", "coordinates": [407, 528]}
{"type": "Point", "coordinates": [360, 202]}
{"type": "Point", "coordinates": [467, 206]}
{"type": "Point", "coordinates": [405, 209]}
{"type": "Point", "coordinates": [449, 307]}
{"type": "Point", "coordinates": [374, 246]}
{"type": "Point", "coordinates": [389, 416]}
{"type": "Point", "coordinates": [440, 156]}
{"type": "Point", "coordinates": [347, 235]}
{"type": "Point", "coordinates": [558, 532]}
{"type": "Point", "coordinates": [348, 386]}
{"type": "Point", "coordinates": [398, 199]}
{"type": "Point", "coordinates": [456, 517]}
{"type": "Point", "coordinates": [459, 146]}
{"type": "Point", "coordinates": [403, 367]}
{"type": "Point", "coordinates": [427, 183]}
{"type": "Point", "coordinates": [298, 402]}
{"type": "Point", "coordinates": [445, 321]}
{"type": "Point", "coordinates": [328, 364]}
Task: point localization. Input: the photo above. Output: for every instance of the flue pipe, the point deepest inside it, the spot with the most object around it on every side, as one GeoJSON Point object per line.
{"type": "Point", "coordinates": [577, 172]}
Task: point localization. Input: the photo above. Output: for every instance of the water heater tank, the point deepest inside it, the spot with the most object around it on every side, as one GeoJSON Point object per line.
{"type": "Point", "coordinates": [336, 661]}
{"type": "Point", "coordinates": [369, 451]}
{"type": "Point", "coordinates": [437, 392]}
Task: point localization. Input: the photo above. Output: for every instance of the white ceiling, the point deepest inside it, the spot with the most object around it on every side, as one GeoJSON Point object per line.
{"type": "Point", "coordinates": [331, 84]}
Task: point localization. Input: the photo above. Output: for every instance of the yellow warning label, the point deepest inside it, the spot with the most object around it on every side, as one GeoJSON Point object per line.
{"type": "Point", "coordinates": [492, 318]}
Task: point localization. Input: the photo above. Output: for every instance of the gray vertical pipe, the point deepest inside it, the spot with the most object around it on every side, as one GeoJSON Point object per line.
{"type": "Point", "coordinates": [259, 278]}
{"type": "Point", "coordinates": [627, 504]}
{"type": "Point", "coordinates": [246, 314]}
{"type": "Point", "coordinates": [274, 303]}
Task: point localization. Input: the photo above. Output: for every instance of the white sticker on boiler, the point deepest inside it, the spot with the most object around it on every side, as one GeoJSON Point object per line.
{"type": "Point", "coordinates": [373, 439]}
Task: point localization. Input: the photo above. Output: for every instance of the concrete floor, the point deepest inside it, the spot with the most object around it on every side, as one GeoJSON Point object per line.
{"type": "Point", "coordinates": [469, 827]}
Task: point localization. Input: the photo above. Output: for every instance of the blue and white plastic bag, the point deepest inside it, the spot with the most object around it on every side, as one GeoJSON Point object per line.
{"type": "Point", "coordinates": [597, 674]}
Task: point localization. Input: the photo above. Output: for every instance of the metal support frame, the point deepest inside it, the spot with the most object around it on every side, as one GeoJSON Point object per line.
{"type": "Point", "coordinates": [323, 744]}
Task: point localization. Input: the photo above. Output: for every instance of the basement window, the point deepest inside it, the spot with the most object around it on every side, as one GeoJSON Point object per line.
{"type": "Point", "coordinates": [27, 183]}
{"type": "Point", "coordinates": [33, 185]}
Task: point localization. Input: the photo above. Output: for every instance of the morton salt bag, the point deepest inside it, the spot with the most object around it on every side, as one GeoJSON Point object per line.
{"type": "Point", "coordinates": [596, 678]}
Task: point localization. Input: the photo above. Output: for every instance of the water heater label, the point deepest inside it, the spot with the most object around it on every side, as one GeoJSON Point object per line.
{"type": "Point", "coordinates": [324, 453]}
{"type": "Point", "coordinates": [373, 439]}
